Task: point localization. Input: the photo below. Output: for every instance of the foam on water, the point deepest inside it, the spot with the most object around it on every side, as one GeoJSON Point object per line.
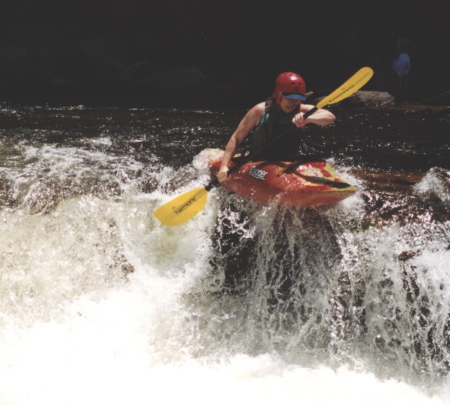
{"type": "Point", "coordinates": [118, 348]}
{"type": "Point", "coordinates": [100, 303]}
{"type": "Point", "coordinates": [435, 185]}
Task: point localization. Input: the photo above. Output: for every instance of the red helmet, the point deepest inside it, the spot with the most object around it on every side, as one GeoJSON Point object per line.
{"type": "Point", "coordinates": [291, 85]}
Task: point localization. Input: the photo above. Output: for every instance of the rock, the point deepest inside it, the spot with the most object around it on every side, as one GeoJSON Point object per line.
{"type": "Point", "coordinates": [13, 59]}
{"type": "Point", "coordinates": [438, 99]}
{"type": "Point", "coordinates": [435, 186]}
{"type": "Point", "coordinates": [65, 85]}
{"type": "Point", "coordinates": [358, 99]}
{"type": "Point", "coordinates": [371, 98]}
{"type": "Point", "coordinates": [97, 59]}
{"type": "Point", "coordinates": [184, 83]}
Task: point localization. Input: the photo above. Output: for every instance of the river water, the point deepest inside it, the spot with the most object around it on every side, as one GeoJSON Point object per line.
{"type": "Point", "coordinates": [247, 302]}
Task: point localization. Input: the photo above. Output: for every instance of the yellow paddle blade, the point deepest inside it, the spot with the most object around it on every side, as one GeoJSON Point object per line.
{"type": "Point", "coordinates": [352, 85]}
{"type": "Point", "coordinates": [182, 208]}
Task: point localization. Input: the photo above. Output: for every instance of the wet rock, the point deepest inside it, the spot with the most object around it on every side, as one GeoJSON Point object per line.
{"type": "Point", "coordinates": [371, 98]}
{"type": "Point", "coordinates": [95, 59]}
{"type": "Point", "coordinates": [442, 98]}
{"type": "Point", "coordinates": [183, 83]}
{"type": "Point", "coordinates": [406, 255]}
{"type": "Point", "coordinates": [435, 186]}
{"type": "Point", "coordinates": [65, 86]}
{"type": "Point", "coordinates": [359, 99]}
{"type": "Point", "coordinates": [12, 59]}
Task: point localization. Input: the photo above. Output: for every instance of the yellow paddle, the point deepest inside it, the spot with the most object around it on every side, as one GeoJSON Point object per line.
{"type": "Point", "coordinates": [188, 205]}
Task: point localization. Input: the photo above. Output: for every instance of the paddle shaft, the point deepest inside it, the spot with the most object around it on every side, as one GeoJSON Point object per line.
{"type": "Point", "coordinates": [188, 205]}
{"type": "Point", "coordinates": [216, 182]}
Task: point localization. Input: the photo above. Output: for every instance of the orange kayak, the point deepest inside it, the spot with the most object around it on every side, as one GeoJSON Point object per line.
{"type": "Point", "coordinates": [287, 183]}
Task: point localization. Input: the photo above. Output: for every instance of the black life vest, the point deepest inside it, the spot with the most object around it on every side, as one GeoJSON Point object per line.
{"type": "Point", "coordinates": [273, 123]}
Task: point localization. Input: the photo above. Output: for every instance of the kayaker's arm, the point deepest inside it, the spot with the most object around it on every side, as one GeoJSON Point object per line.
{"type": "Point", "coordinates": [247, 124]}
{"type": "Point", "coordinates": [320, 117]}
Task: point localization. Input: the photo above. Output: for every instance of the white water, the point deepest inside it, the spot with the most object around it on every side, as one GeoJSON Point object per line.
{"type": "Point", "coordinates": [77, 330]}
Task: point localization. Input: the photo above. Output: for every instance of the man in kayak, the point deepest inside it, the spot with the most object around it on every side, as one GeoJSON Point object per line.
{"type": "Point", "coordinates": [273, 117]}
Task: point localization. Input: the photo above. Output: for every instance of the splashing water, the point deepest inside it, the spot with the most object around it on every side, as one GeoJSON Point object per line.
{"type": "Point", "coordinates": [245, 303]}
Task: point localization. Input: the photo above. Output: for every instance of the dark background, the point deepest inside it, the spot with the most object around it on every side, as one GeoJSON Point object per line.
{"type": "Point", "coordinates": [239, 45]}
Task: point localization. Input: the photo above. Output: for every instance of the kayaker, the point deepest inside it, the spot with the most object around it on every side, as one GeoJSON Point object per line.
{"type": "Point", "coordinates": [272, 117]}
{"type": "Point", "coordinates": [401, 63]}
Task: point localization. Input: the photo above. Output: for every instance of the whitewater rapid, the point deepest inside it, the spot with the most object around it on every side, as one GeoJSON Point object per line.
{"type": "Point", "coordinates": [100, 303]}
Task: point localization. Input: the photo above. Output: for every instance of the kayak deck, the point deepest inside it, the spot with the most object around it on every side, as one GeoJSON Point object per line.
{"type": "Point", "coordinates": [286, 183]}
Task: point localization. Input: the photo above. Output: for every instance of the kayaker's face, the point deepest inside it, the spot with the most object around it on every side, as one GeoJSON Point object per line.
{"type": "Point", "coordinates": [288, 105]}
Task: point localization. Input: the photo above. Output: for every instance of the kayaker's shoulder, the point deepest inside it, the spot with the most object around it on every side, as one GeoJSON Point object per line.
{"type": "Point", "coordinates": [257, 111]}
{"type": "Point", "coordinates": [258, 108]}
{"type": "Point", "coordinates": [253, 116]}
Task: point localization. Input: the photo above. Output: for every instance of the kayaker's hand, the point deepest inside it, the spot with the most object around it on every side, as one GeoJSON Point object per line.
{"type": "Point", "coordinates": [222, 175]}
{"type": "Point", "coordinates": [299, 120]}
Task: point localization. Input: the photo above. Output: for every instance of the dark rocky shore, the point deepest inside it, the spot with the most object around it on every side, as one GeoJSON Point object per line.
{"type": "Point", "coordinates": [211, 53]}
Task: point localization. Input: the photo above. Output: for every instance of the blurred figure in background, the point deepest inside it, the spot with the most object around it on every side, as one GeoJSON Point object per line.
{"type": "Point", "coordinates": [401, 63]}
